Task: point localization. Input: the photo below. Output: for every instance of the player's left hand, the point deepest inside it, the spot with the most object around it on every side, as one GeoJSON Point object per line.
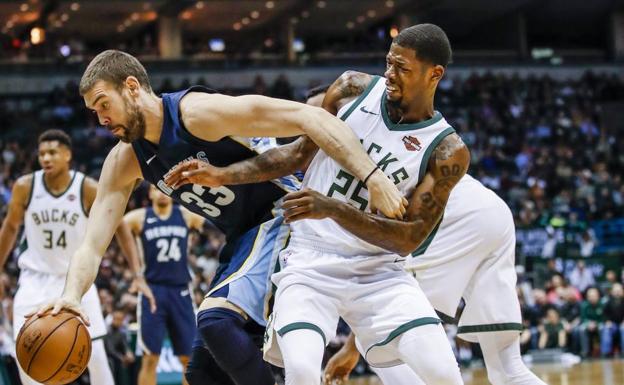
{"type": "Point", "coordinates": [306, 204]}
{"type": "Point", "coordinates": [140, 285]}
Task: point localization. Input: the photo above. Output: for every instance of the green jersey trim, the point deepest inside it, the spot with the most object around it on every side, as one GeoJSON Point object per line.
{"type": "Point", "coordinates": [403, 328]}
{"type": "Point", "coordinates": [434, 143]}
{"type": "Point", "coordinates": [23, 246]}
{"type": "Point", "coordinates": [421, 174]}
{"type": "Point", "coordinates": [32, 188]}
{"type": "Point", "coordinates": [406, 126]}
{"type": "Point", "coordinates": [361, 97]}
{"type": "Point", "coordinates": [423, 246]}
{"type": "Point", "coordinates": [71, 182]}
{"type": "Point", "coordinates": [490, 328]}
{"type": "Point", "coordinates": [301, 326]}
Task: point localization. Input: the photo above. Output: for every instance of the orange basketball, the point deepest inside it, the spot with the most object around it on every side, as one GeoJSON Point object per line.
{"type": "Point", "coordinates": [53, 350]}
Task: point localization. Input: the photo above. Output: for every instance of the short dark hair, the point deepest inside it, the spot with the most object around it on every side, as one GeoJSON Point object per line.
{"type": "Point", "coordinates": [113, 66]}
{"type": "Point", "coordinates": [312, 92]}
{"type": "Point", "coordinates": [58, 135]}
{"type": "Point", "coordinates": [429, 41]}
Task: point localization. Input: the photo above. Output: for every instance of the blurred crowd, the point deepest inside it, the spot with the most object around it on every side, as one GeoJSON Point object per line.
{"type": "Point", "coordinates": [549, 148]}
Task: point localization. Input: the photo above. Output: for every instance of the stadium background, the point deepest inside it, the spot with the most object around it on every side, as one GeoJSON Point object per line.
{"type": "Point", "coordinates": [535, 89]}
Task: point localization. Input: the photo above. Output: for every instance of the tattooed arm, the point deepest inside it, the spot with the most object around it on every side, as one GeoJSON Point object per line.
{"type": "Point", "coordinates": [448, 164]}
{"type": "Point", "coordinates": [276, 162]}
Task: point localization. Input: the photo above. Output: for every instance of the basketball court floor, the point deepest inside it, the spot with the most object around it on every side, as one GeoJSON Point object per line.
{"type": "Point", "coordinates": [600, 372]}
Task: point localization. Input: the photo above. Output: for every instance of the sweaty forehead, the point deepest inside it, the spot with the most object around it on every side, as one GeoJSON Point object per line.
{"type": "Point", "coordinates": [99, 89]}
{"type": "Point", "coordinates": [401, 54]}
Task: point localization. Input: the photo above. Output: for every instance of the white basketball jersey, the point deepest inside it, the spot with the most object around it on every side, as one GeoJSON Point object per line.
{"type": "Point", "coordinates": [402, 152]}
{"type": "Point", "coordinates": [54, 226]}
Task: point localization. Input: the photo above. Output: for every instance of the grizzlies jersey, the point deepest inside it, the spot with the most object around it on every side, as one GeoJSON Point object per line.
{"type": "Point", "coordinates": [233, 209]}
{"type": "Point", "coordinates": [165, 243]}
{"type": "Point", "coordinates": [402, 152]}
{"type": "Point", "coordinates": [54, 226]}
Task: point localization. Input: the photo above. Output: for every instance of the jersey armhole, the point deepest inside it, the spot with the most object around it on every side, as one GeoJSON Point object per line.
{"type": "Point", "coordinates": [82, 201]}
{"type": "Point", "coordinates": [359, 99]}
{"type": "Point", "coordinates": [32, 188]}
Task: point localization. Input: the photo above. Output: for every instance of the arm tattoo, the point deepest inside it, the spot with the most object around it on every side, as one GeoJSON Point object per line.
{"type": "Point", "coordinates": [447, 147]}
{"type": "Point", "coordinates": [352, 84]}
{"type": "Point", "coordinates": [275, 163]}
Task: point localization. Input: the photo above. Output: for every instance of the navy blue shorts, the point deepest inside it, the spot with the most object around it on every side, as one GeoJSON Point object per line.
{"type": "Point", "coordinates": [246, 281]}
{"type": "Point", "coordinates": [175, 316]}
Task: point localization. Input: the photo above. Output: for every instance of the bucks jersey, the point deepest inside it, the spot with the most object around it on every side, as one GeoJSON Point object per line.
{"type": "Point", "coordinates": [165, 242]}
{"type": "Point", "coordinates": [402, 152]}
{"type": "Point", "coordinates": [54, 226]}
{"type": "Point", "coordinates": [233, 209]}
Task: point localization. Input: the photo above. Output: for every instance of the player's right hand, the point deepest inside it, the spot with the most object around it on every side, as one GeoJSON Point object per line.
{"type": "Point", "coordinates": [340, 366]}
{"type": "Point", "coordinates": [140, 285]}
{"type": "Point", "coordinates": [385, 196]}
{"type": "Point", "coordinates": [55, 307]}
{"type": "Point", "coordinates": [193, 171]}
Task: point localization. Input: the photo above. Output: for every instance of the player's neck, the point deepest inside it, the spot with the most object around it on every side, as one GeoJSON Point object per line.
{"type": "Point", "coordinates": [410, 114]}
{"type": "Point", "coordinates": [163, 212]}
{"type": "Point", "coordinates": [153, 112]}
{"type": "Point", "coordinates": [59, 183]}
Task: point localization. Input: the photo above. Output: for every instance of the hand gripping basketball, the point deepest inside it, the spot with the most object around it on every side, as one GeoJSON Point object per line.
{"type": "Point", "coordinates": [55, 307]}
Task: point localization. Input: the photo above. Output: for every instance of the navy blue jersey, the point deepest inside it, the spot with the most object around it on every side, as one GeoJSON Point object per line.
{"type": "Point", "coordinates": [165, 242]}
{"type": "Point", "coordinates": [232, 209]}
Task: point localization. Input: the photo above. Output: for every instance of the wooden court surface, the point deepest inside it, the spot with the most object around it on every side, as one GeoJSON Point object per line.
{"type": "Point", "coordinates": [607, 372]}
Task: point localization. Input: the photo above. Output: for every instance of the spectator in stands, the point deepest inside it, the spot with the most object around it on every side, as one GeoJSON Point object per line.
{"type": "Point", "coordinates": [119, 353]}
{"type": "Point", "coordinates": [587, 242]}
{"type": "Point", "coordinates": [541, 303]}
{"type": "Point", "coordinates": [592, 321]}
{"type": "Point", "coordinates": [581, 277]}
{"type": "Point", "coordinates": [570, 312]}
{"type": "Point", "coordinates": [552, 332]}
{"type": "Point", "coordinates": [282, 88]}
{"type": "Point", "coordinates": [609, 281]}
{"type": "Point", "coordinates": [614, 321]}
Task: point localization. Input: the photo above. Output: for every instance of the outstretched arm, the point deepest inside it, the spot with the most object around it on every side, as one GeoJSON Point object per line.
{"type": "Point", "coordinates": [254, 115]}
{"type": "Point", "coordinates": [276, 162]}
{"type": "Point", "coordinates": [272, 164]}
{"type": "Point", "coordinates": [447, 166]}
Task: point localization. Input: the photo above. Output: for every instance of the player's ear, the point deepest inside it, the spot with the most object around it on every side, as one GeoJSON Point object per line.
{"type": "Point", "coordinates": [67, 154]}
{"type": "Point", "coordinates": [133, 85]}
{"type": "Point", "coordinates": [437, 72]}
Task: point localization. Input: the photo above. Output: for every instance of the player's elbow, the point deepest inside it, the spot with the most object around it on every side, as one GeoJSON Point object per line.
{"type": "Point", "coordinates": [9, 229]}
{"type": "Point", "coordinates": [415, 237]}
{"type": "Point", "coordinates": [405, 248]}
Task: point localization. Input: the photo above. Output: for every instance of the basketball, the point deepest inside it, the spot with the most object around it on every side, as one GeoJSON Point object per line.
{"type": "Point", "coordinates": [54, 349]}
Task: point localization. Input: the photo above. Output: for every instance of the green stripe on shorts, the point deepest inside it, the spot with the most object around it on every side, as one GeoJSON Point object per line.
{"type": "Point", "coordinates": [405, 327]}
{"type": "Point", "coordinates": [300, 326]}
{"type": "Point", "coordinates": [490, 328]}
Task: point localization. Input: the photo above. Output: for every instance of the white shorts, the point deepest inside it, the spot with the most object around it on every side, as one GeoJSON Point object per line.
{"type": "Point", "coordinates": [376, 298]}
{"type": "Point", "coordinates": [36, 288]}
{"type": "Point", "coordinates": [472, 255]}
